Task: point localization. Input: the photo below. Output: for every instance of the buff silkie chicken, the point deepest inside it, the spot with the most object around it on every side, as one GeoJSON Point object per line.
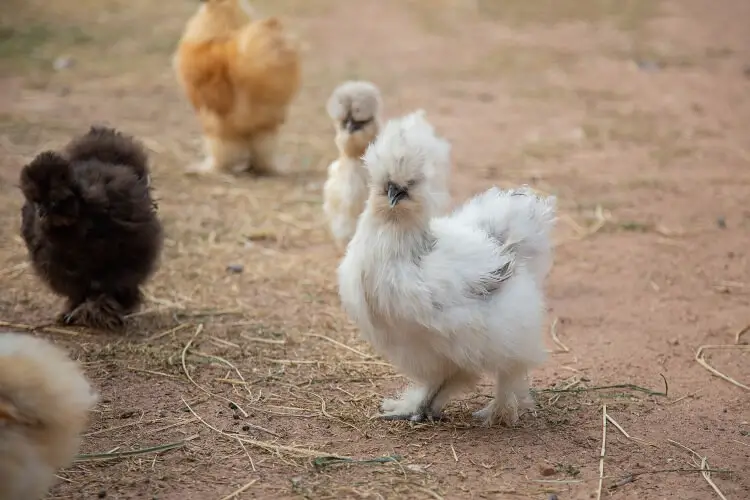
{"type": "Point", "coordinates": [45, 401]}
{"type": "Point", "coordinates": [240, 74]}
{"type": "Point", "coordinates": [355, 108]}
{"type": "Point", "coordinates": [447, 299]}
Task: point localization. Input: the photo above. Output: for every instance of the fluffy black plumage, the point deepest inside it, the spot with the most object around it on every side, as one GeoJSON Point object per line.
{"type": "Point", "coordinates": [91, 226]}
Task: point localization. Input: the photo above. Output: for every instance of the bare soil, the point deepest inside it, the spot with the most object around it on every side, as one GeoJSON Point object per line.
{"type": "Point", "coordinates": [635, 114]}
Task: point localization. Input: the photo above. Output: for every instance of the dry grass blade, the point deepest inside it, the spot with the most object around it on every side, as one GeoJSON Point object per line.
{"type": "Point", "coordinates": [631, 387]}
{"type": "Point", "coordinates": [239, 490]}
{"type": "Point", "coordinates": [14, 269]}
{"type": "Point", "coordinates": [323, 362]}
{"type": "Point", "coordinates": [703, 467]}
{"type": "Point", "coordinates": [625, 433]}
{"type": "Point", "coordinates": [263, 445]}
{"type": "Point", "coordinates": [603, 452]}
{"type": "Point", "coordinates": [159, 335]}
{"type": "Point", "coordinates": [336, 342]}
{"type": "Point", "coordinates": [93, 457]}
{"type": "Point", "coordinates": [198, 330]}
{"type": "Point", "coordinates": [262, 340]}
{"type": "Point", "coordinates": [40, 328]}
{"type": "Point", "coordinates": [555, 338]}
{"type": "Point", "coordinates": [739, 334]}
{"type": "Point", "coordinates": [699, 357]}
{"type": "Point", "coordinates": [602, 218]}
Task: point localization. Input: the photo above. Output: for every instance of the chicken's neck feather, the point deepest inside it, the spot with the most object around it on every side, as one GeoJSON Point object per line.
{"type": "Point", "coordinates": [393, 240]}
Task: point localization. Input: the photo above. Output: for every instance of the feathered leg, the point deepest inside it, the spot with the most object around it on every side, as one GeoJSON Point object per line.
{"type": "Point", "coordinates": [70, 305]}
{"type": "Point", "coordinates": [102, 312]}
{"type": "Point", "coordinates": [419, 403]}
{"type": "Point", "coordinates": [511, 394]}
{"type": "Point", "coordinates": [262, 153]}
{"type": "Point", "coordinates": [415, 404]}
{"type": "Point", "coordinates": [222, 155]}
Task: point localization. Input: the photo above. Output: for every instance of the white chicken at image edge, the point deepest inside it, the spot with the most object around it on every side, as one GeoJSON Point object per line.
{"type": "Point", "coordinates": [447, 299]}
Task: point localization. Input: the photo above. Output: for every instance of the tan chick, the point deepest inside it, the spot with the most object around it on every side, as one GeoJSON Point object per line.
{"type": "Point", "coordinates": [44, 405]}
{"type": "Point", "coordinates": [355, 108]}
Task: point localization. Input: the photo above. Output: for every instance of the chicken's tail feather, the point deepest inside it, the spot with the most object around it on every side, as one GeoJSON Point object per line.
{"type": "Point", "coordinates": [111, 146]}
{"type": "Point", "coordinates": [531, 220]}
{"type": "Point", "coordinates": [519, 220]}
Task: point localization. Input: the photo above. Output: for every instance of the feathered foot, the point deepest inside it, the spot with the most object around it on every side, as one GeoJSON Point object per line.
{"type": "Point", "coordinates": [204, 167]}
{"type": "Point", "coordinates": [262, 161]}
{"type": "Point", "coordinates": [102, 313]}
{"type": "Point", "coordinates": [416, 405]}
{"type": "Point", "coordinates": [511, 395]}
{"type": "Point", "coordinates": [221, 156]}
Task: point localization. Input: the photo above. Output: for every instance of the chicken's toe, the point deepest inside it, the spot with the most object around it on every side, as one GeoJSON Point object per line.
{"type": "Point", "coordinates": [65, 318]}
{"type": "Point", "coordinates": [396, 416]}
{"type": "Point", "coordinates": [506, 413]}
{"type": "Point", "coordinates": [388, 405]}
{"type": "Point", "coordinates": [486, 414]}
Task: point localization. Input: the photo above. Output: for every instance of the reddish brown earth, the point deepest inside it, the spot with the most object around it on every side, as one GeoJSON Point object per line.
{"type": "Point", "coordinates": [636, 111]}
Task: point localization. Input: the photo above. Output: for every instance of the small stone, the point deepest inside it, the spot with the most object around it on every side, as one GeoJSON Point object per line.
{"type": "Point", "coordinates": [552, 496]}
{"type": "Point", "coordinates": [127, 414]}
{"type": "Point", "coordinates": [547, 471]}
{"type": "Point", "coordinates": [246, 428]}
{"type": "Point", "coordinates": [236, 417]}
{"type": "Point", "coordinates": [235, 268]}
{"type": "Point", "coordinates": [63, 62]}
{"type": "Point", "coordinates": [721, 222]}
{"type": "Point", "coordinates": [102, 494]}
{"type": "Point", "coordinates": [233, 406]}
{"type": "Point", "coordinates": [674, 341]}
{"type": "Point", "coordinates": [485, 97]}
{"type": "Point", "coordinates": [648, 66]}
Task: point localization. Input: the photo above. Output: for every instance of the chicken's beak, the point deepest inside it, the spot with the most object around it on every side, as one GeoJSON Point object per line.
{"type": "Point", "coordinates": [351, 125]}
{"type": "Point", "coordinates": [396, 193]}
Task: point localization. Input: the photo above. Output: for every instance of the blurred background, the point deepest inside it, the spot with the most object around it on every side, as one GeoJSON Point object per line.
{"type": "Point", "coordinates": [633, 112]}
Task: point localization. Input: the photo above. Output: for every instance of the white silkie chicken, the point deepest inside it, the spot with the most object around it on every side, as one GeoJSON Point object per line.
{"type": "Point", "coordinates": [354, 107]}
{"type": "Point", "coordinates": [447, 299]}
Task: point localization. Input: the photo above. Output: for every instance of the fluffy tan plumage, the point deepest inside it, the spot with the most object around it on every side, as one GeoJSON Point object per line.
{"type": "Point", "coordinates": [240, 75]}
{"type": "Point", "coordinates": [44, 405]}
{"type": "Point", "coordinates": [355, 109]}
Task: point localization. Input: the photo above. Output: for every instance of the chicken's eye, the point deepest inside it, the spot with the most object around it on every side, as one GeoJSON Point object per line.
{"type": "Point", "coordinates": [411, 183]}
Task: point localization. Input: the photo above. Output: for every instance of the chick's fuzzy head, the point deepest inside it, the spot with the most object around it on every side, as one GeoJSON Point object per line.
{"type": "Point", "coordinates": [409, 167]}
{"type": "Point", "coordinates": [355, 107]}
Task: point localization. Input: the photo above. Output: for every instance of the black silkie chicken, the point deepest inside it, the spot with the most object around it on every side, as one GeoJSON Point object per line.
{"type": "Point", "coordinates": [91, 226]}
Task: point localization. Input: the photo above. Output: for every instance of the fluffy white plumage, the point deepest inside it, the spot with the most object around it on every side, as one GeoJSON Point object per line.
{"type": "Point", "coordinates": [447, 299]}
{"type": "Point", "coordinates": [354, 107]}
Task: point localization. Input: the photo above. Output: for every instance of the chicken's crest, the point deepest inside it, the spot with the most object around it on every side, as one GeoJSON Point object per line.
{"type": "Point", "coordinates": [409, 166]}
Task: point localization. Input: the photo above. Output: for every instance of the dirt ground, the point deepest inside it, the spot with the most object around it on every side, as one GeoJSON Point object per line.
{"type": "Point", "coordinates": [634, 113]}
